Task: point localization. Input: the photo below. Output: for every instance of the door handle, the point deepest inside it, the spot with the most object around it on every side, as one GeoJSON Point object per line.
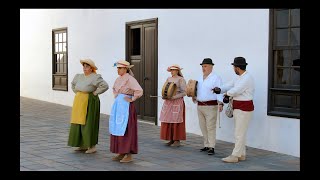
{"type": "Point", "coordinates": [145, 78]}
{"type": "Point", "coordinates": [154, 96]}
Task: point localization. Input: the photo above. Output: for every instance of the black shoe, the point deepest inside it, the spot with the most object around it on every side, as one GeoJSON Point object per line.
{"type": "Point", "coordinates": [204, 149]}
{"type": "Point", "coordinates": [211, 151]}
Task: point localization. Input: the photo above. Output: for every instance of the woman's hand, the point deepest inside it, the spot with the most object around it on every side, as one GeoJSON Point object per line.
{"type": "Point", "coordinates": [173, 98]}
{"type": "Point", "coordinates": [128, 99]}
{"type": "Point", "coordinates": [220, 107]}
{"type": "Point", "coordinates": [194, 99]}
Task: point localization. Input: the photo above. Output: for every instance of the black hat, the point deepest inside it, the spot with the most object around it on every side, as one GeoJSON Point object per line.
{"type": "Point", "coordinates": [239, 61]}
{"type": "Point", "coordinates": [207, 61]}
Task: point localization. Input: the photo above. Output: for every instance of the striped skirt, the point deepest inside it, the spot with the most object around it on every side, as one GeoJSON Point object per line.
{"type": "Point", "coordinates": [174, 131]}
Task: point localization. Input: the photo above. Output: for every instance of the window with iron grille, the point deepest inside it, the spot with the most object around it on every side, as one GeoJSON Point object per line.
{"type": "Point", "coordinates": [284, 63]}
{"type": "Point", "coordinates": [60, 59]}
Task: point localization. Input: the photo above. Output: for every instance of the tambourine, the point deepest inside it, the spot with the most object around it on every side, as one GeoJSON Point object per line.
{"type": "Point", "coordinates": [192, 88]}
{"type": "Point", "coordinates": [169, 89]}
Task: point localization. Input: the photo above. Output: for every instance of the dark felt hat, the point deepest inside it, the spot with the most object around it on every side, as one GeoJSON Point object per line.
{"type": "Point", "coordinates": [239, 61]}
{"type": "Point", "coordinates": [207, 61]}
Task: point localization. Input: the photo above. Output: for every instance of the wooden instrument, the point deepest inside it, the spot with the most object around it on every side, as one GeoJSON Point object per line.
{"type": "Point", "coordinates": [169, 89]}
{"type": "Point", "coordinates": [192, 88]}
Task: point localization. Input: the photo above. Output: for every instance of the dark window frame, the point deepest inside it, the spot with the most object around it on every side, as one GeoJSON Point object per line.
{"type": "Point", "coordinates": [60, 70]}
{"type": "Point", "coordinates": [276, 89]}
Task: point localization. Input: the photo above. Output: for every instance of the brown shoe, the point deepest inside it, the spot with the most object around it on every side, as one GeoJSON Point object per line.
{"type": "Point", "coordinates": [81, 149]}
{"type": "Point", "coordinates": [118, 157]}
{"type": "Point", "coordinates": [176, 144]}
{"type": "Point", "coordinates": [230, 159]}
{"type": "Point", "coordinates": [169, 143]}
{"type": "Point", "coordinates": [127, 158]}
{"type": "Point", "coordinates": [242, 158]}
{"type": "Point", "coordinates": [91, 150]}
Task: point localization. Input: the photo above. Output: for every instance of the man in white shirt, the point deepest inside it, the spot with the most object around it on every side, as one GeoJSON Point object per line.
{"type": "Point", "coordinates": [208, 104]}
{"type": "Point", "coordinates": [241, 90]}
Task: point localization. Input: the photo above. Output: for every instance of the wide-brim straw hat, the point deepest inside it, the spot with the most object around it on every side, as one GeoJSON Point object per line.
{"type": "Point", "coordinates": [174, 66]}
{"type": "Point", "coordinates": [123, 63]}
{"type": "Point", "coordinates": [90, 62]}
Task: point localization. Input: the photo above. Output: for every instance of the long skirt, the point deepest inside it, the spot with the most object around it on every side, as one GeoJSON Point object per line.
{"type": "Point", "coordinates": [129, 142]}
{"type": "Point", "coordinates": [174, 131]}
{"type": "Point", "coordinates": [87, 135]}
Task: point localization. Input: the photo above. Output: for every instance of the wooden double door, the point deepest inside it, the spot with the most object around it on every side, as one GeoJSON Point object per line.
{"type": "Point", "coordinates": [142, 52]}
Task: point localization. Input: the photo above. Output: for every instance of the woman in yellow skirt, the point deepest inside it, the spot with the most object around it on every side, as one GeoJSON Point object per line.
{"type": "Point", "coordinates": [84, 129]}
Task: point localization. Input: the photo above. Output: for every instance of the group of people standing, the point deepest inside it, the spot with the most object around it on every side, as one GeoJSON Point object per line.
{"type": "Point", "coordinates": [210, 97]}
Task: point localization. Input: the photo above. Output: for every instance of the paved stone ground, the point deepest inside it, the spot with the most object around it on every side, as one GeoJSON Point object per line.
{"type": "Point", "coordinates": [44, 130]}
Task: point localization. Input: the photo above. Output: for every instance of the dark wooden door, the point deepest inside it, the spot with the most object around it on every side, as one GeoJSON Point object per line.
{"type": "Point", "coordinates": [142, 52]}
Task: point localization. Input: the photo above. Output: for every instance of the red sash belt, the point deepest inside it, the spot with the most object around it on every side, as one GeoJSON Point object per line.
{"type": "Point", "coordinates": [207, 103]}
{"type": "Point", "coordinates": [243, 105]}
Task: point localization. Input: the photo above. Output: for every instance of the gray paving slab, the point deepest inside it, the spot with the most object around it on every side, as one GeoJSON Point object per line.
{"type": "Point", "coordinates": [44, 129]}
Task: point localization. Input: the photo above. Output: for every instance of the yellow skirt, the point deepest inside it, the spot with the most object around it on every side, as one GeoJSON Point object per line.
{"type": "Point", "coordinates": [79, 108]}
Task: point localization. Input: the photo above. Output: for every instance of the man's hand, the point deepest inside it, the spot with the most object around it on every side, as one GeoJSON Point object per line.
{"type": "Point", "coordinates": [220, 107]}
{"type": "Point", "coordinates": [217, 90]}
{"type": "Point", "coordinates": [226, 98]}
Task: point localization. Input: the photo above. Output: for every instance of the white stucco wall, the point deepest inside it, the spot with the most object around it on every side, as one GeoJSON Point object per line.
{"type": "Point", "coordinates": [185, 37]}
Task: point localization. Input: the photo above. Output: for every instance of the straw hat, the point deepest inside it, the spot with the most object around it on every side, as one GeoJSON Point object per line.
{"type": "Point", "coordinates": [174, 66]}
{"type": "Point", "coordinates": [90, 62]}
{"type": "Point", "coordinates": [123, 63]}
{"type": "Point", "coordinates": [177, 67]}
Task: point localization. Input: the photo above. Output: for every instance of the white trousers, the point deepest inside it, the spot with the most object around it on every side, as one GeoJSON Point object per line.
{"type": "Point", "coordinates": [241, 122]}
{"type": "Point", "coordinates": [207, 120]}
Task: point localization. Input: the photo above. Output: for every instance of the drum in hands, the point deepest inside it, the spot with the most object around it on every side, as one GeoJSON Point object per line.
{"type": "Point", "coordinates": [192, 88]}
{"type": "Point", "coordinates": [169, 89]}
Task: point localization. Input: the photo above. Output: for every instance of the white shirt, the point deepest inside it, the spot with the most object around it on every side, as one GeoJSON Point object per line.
{"type": "Point", "coordinates": [204, 88]}
{"type": "Point", "coordinates": [241, 88]}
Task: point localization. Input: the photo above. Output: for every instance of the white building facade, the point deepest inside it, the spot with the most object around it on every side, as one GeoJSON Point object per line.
{"type": "Point", "coordinates": [184, 37]}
